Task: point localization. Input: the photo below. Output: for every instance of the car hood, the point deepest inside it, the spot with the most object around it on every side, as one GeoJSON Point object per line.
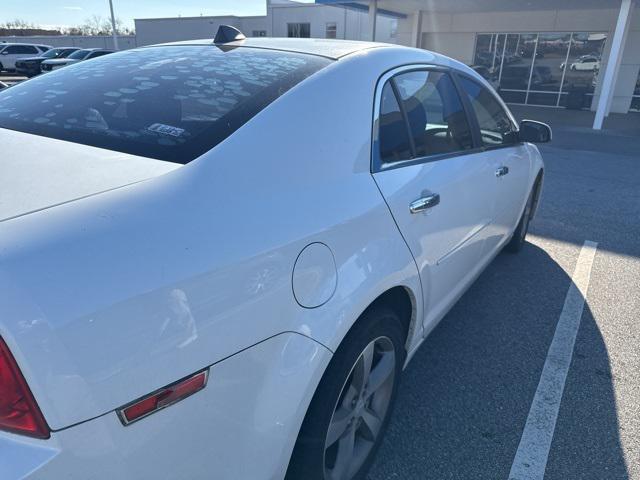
{"type": "Point", "coordinates": [38, 172]}
{"type": "Point", "coordinates": [61, 61]}
{"type": "Point", "coordinates": [31, 59]}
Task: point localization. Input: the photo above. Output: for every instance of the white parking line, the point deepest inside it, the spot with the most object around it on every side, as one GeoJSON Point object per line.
{"type": "Point", "coordinates": [530, 461]}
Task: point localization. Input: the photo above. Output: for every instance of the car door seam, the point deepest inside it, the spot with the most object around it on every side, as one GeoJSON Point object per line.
{"type": "Point", "coordinates": [415, 262]}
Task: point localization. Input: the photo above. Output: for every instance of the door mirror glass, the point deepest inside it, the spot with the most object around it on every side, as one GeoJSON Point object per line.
{"type": "Point", "coordinates": [534, 132]}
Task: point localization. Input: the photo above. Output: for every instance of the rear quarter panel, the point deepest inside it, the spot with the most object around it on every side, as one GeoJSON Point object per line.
{"type": "Point", "coordinates": [113, 296]}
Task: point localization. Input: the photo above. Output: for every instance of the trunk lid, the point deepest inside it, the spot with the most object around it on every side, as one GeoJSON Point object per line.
{"type": "Point", "coordinates": [39, 172]}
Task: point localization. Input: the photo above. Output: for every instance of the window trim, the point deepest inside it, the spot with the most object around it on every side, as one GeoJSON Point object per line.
{"type": "Point", "coordinates": [376, 164]}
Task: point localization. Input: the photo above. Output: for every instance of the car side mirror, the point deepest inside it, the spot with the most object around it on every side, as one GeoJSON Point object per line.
{"type": "Point", "coordinates": [534, 132]}
{"type": "Point", "coordinates": [5, 53]}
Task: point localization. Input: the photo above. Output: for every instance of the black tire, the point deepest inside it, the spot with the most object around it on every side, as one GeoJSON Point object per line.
{"type": "Point", "coordinates": [519, 234]}
{"type": "Point", "coordinates": [308, 458]}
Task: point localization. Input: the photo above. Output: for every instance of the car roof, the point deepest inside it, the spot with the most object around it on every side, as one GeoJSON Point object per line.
{"type": "Point", "coordinates": [328, 48]}
{"type": "Point", "coordinates": [7, 44]}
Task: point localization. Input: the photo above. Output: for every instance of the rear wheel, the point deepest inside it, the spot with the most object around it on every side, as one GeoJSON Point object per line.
{"type": "Point", "coordinates": [351, 407]}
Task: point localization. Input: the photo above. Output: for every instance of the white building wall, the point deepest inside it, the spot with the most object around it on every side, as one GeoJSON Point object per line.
{"type": "Point", "coordinates": [248, 25]}
{"type": "Point", "coordinates": [350, 24]}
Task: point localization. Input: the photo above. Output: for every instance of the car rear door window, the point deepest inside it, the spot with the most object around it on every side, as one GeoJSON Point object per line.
{"type": "Point", "coordinates": [393, 137]}
{"type": "Point", "coordinates": [496, 127]}
{"type": "Point", "coordinates": [171, 102]}
{"type": "Point", "coordinates": [21, 50]}
{"type": "Point", "coordinates": [437, 120]}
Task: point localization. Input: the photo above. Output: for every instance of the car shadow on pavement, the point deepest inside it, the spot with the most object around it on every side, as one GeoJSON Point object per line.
{"type": "Point", "coordinates": [465, 397]}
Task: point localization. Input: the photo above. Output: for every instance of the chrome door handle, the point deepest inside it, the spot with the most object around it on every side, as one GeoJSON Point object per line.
{"type": "Point", "coordinates": [502, 171]}
{"type": "Point", "coordinates": [424, 203]}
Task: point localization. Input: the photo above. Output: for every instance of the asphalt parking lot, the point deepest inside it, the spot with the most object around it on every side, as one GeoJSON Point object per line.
{"type": "Point", "coordinates": [11, 78]}
{"type": "Point", "coordinates": [466, 397]}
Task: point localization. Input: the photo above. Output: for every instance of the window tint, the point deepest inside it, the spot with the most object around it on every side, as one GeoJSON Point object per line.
{"type": "Point", "coordinates": [299, 30]}
{"type": "Point", "coordinates": [393, 137]}
{"type": "Point", "coordinates": [21, 49]}
{"type": "Point", "coordinates": [171, 103]}
{"type": "Point", "coordinates": [53, 53]}
{"type": "Point", "coordinates": [80, 54]}
{"type": "Point", "coordinates": [496, 128]}
{"type": "Point", "coordinates": [97, 54]}
{"type": "Point", "coordinates": [437, 120]}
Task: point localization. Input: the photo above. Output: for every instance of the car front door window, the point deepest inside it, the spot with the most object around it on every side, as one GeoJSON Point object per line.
{"type": "Point", "coordinates": [496, 127]}
{"type": "Point", "coordinates": [436, 117]}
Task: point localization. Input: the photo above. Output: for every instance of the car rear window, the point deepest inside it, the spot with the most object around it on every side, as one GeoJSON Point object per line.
{"type": "Point", "coordinates": [172, 103]}
{"type": "Point", "coordinates": [79, 54]}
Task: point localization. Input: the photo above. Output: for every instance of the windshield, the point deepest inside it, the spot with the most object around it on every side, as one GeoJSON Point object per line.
{"type": "Point", "coordinates": [80, 54]}
{"type": "Point", "coordinates": [53, 53]}
{"type": "Point", "coordinates": [171, 103]}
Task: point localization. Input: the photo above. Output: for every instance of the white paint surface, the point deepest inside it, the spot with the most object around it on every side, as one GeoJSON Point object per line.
{"type": "Point", "coordinates": [40, 172]}
{"type": "Point", "coordinates": [530, 461]}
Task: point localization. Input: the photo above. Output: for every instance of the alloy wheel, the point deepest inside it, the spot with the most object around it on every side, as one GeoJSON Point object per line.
{"type": "Point", "coordinates": [360, 411]}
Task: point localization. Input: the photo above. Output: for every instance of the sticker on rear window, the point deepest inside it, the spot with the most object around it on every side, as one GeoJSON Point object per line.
{"type": "Point", "coordinates": [166, 129]}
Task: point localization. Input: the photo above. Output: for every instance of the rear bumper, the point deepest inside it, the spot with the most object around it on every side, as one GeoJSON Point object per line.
{"type": "Point", "coordinates": [243, 425]}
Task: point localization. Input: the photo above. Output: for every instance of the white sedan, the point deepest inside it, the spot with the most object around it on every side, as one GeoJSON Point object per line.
{"type": "Point", "coordinates": [217, 258]}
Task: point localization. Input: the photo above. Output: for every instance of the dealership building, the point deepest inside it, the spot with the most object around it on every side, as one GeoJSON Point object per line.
{"type": "Point", "coordinates": [540, 52]}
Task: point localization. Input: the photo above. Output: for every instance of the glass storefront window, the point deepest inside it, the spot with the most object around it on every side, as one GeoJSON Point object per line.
{"type": "Point", "coordinates": [583, 63]}
{"type": "Point", "coordinates": [551, 56]}
{"type": "Point", "coordinates": [541, 68]}
{"type": "Point", "coordinates": [516, 64]}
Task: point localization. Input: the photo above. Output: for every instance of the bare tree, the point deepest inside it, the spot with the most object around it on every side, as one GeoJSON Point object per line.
{"type": "Point", "coordinates": [18, 24]}
{"type": "Point", "coordinates": [98, 25]}
{"type": "Point", "coordinates": [21, 27]}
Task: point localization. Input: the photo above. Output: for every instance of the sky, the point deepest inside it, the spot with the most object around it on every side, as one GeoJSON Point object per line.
{"type": "Point", "coordinates": [51, 13]}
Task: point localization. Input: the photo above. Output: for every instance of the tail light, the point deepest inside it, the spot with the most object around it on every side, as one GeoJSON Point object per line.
{"type": "Point", "coordinates": [19, 412]}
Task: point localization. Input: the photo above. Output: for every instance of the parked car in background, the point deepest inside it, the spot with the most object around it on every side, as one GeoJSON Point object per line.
{"type": "Point", "coordinates": [30, 66]}
{"type": "Point", "coordinates": [75, 57]}
{"type": "Point", "coordinates": [202, 280]}
{"type": "Point", "coordinates": [586, 63]}
{"type": "Point", "coordinates": [11, 52]}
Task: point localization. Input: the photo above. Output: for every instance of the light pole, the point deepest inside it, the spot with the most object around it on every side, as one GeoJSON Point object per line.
{"type": "Point", "coordinates": [113, 26]}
